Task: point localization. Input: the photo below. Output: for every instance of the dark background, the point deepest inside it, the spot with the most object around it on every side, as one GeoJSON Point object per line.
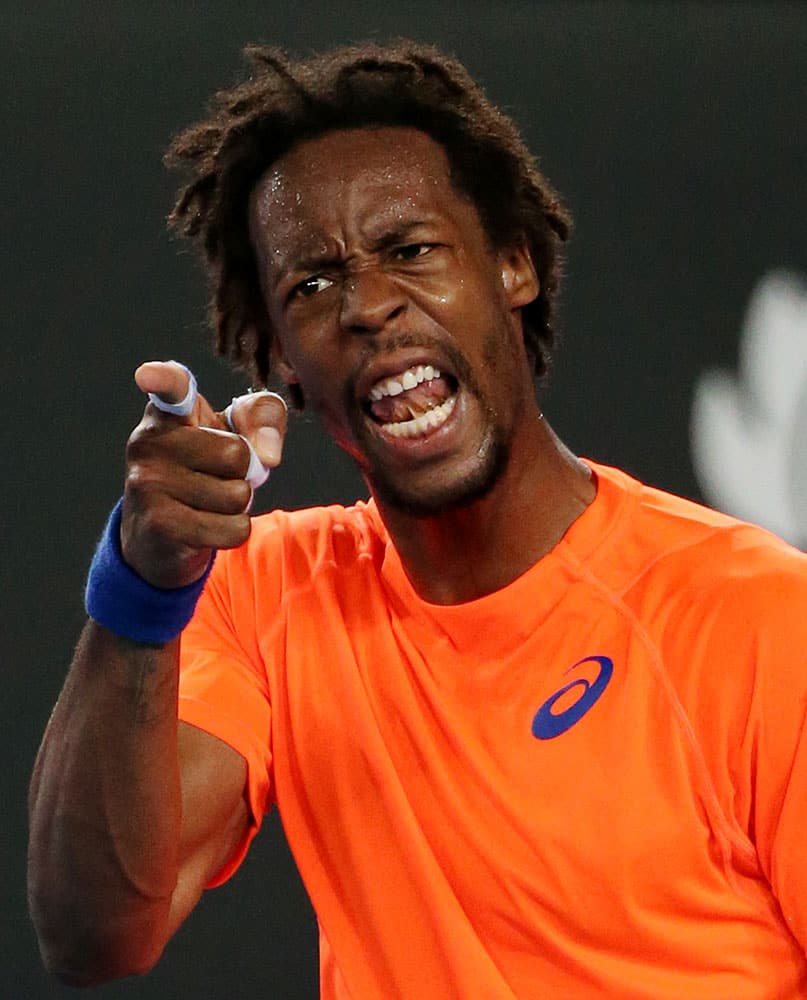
{"type": "Point", "coordinates": [675, 131]}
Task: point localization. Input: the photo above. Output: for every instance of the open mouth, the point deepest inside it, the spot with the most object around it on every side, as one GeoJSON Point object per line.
{"type": "Point", "coordinates": [413, 402]}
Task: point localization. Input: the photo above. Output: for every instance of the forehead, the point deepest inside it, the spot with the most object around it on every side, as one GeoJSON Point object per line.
{"type": "Point", "coordinates": [353, 177]}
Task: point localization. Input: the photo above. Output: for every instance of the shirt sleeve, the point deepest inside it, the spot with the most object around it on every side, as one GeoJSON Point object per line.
{"type": "Point", "coordinates": [779, 790]}
{"type": "Point", "coordinates": [735, 641]}
{"type": "Point", "coordinates": [223, 688]}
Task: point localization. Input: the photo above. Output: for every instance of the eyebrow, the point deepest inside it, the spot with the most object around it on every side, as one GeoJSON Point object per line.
{"type": "Point", "coordinates": [302, 261]}
{"type": "Point", "coordinates": [309, 261]}
{"type": "Point", "coordinates": [306, 262]}
{"type": "Point", "coordinates": [397, 234]}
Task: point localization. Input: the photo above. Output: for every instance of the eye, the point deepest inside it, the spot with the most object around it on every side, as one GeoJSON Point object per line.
{"type": "Point", "coordinates": [412, 250]}
{"type": "Point", "coordinates": [310, 286]}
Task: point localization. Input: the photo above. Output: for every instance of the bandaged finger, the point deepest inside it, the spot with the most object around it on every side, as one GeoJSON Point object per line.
{"type": "Point", "coordinates": [257, 473]}
{"type": "Point", "coordinates": [185, 406]}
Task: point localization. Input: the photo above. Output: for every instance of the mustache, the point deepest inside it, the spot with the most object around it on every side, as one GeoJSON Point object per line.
{"type": "Point", "coordinates": [460, 368]}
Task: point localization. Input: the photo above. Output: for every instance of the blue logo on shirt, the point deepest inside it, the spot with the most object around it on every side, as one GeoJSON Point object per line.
{"type": "Point", "coordinates": [546, 725]}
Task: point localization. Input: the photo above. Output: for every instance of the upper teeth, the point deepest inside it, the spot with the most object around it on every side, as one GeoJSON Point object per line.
{"type": "Point", "coordinates": [396, 384]}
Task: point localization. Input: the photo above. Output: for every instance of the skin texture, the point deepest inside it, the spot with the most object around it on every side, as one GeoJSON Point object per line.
{"type": "Point", "coordinates": [370, 263]}
{"type": "Point", "coordinates": [131, 811]}
{"type": "Point", "coordinates": [370, 260]}
{"type": "Point", "coordinates": [185, 492]}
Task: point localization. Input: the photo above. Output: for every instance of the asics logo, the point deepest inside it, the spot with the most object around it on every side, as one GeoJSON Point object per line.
{"type": "Point", "coordinates": [546, 724]}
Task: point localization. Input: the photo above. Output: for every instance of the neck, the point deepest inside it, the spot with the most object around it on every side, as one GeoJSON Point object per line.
{"type": "Point", "coordinates": [469, 552]}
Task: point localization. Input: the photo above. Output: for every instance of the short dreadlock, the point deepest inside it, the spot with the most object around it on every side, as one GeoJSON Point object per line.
{"type": "Point", "coordinates": [285, 102]}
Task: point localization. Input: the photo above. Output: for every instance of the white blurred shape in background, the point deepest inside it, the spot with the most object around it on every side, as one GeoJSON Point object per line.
{"type": "Point", "coordinates": [749, 432]}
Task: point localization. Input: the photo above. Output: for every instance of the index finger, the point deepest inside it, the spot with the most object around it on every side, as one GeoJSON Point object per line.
{"type": "Point", "coordinates": [171, 386]}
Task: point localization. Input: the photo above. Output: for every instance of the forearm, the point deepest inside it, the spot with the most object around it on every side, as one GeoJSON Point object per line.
{"type": "Point", "coordinates": [117, 857]}
{"type": "Point", "coordinates": [105, 811]}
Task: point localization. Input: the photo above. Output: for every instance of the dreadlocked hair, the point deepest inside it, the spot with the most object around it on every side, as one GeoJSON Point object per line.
{"type": "Point", "coordinates": [285, 102]}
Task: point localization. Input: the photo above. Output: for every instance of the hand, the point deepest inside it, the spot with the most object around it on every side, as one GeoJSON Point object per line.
{"type": "Point", "coordinates": [185, 491]}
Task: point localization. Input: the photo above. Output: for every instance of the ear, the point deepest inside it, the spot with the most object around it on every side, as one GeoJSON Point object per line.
{"type": "Point", "coordinates": [280, 365]}
{"type": "Point", "coordinates": [519, 280]}
{"type": "Point", "coordinates": [286, 372]}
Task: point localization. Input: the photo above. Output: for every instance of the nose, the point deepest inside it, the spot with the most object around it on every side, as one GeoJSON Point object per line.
{"type": "Point", "coordinates": [370, 299]}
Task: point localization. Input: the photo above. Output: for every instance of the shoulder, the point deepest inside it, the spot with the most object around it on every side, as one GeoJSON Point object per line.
{"type": "Point", "coordinates": [673, 549]}
{"type": "Point", "coordinates": [294, 544]}
{"type": "Point", "coordinates": [732, 597]}
{"type": "Point", "coordinates": [357, 528]}
{"type": "Point", "coordinates": [723, 603]}
{"type": "Point", "coordinates": [717, 559]}
{"type": "Point", "coordinates": [287, 552]}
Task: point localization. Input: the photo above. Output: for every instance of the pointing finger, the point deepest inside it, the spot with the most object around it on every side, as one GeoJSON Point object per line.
{"type": "Point", "coordinates": [171, 386]}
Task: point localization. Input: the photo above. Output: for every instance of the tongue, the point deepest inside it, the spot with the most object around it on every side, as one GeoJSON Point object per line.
{"type": "Point", "coordinates": [411, 402]}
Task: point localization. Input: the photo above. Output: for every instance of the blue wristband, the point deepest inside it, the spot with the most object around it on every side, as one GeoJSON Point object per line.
{"type": "Point", "coordinates": [120, 600]}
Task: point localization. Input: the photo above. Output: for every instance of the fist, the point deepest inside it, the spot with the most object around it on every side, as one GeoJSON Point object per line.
{"type": "Point", "coordinates": [185, 492]}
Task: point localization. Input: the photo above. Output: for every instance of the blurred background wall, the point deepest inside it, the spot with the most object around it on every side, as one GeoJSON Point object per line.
{"type": "Point", "coordinates": [676, 132]}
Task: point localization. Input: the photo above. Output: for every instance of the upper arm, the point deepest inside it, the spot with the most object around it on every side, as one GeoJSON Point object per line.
{"type": "Point", "coordinates": [225, 731]}
{"type": "Point", "coordinates": [775, 747]}
{"type": "Point", "coordinates": [215, 814]}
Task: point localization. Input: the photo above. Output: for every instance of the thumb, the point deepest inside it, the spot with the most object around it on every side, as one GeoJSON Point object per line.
{"type": "Point", "coordinates": [261, 418]}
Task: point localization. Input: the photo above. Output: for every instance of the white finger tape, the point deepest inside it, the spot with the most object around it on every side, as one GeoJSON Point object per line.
{"type": "Point", "coordinates": [229, 412]}
{"type": "Point", "coordinates": [185, 407]}
{"type": "Point", "coordinates": [257, 473]}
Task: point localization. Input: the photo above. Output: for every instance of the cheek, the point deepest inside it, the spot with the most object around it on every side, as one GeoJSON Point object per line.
{"type": "Point", "coordinates": [304, 347]}
{"type": "Point", "coordinates": [474, 293]}
{"type": "Point", "coordinates": [321, 381]}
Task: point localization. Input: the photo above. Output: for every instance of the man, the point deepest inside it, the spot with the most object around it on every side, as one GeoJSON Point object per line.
{"type": "Point", "coordinates": [534, 729]}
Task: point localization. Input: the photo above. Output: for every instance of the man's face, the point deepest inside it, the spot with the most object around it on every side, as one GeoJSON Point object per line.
{"type": "Point", "coordinates": [393, 314]}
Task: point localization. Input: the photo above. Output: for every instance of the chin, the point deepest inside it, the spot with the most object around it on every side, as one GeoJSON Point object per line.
{"type": "Point", "coordinates": [447, 496]}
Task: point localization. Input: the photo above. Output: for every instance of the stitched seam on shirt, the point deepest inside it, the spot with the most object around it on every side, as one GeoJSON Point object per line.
{"type": "Point", "coordinates": [724, 826]}
{"type": "Point", "coordinates": [671, 551]}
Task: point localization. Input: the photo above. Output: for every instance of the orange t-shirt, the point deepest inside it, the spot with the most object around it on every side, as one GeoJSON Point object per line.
{"type": "Point", "coordinates": [590, 783]}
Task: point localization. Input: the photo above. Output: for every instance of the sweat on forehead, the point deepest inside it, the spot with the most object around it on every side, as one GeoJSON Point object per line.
{"type": "Point", "coordinates": [403, 161]}
{"type": "Point", "coordinates": [284, 101]}
{"type": "Point", "coordinates": [349, 189]}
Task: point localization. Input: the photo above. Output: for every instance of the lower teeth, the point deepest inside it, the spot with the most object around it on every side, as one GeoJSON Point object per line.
{"type": "Point", "coordinates": [429, 420]}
